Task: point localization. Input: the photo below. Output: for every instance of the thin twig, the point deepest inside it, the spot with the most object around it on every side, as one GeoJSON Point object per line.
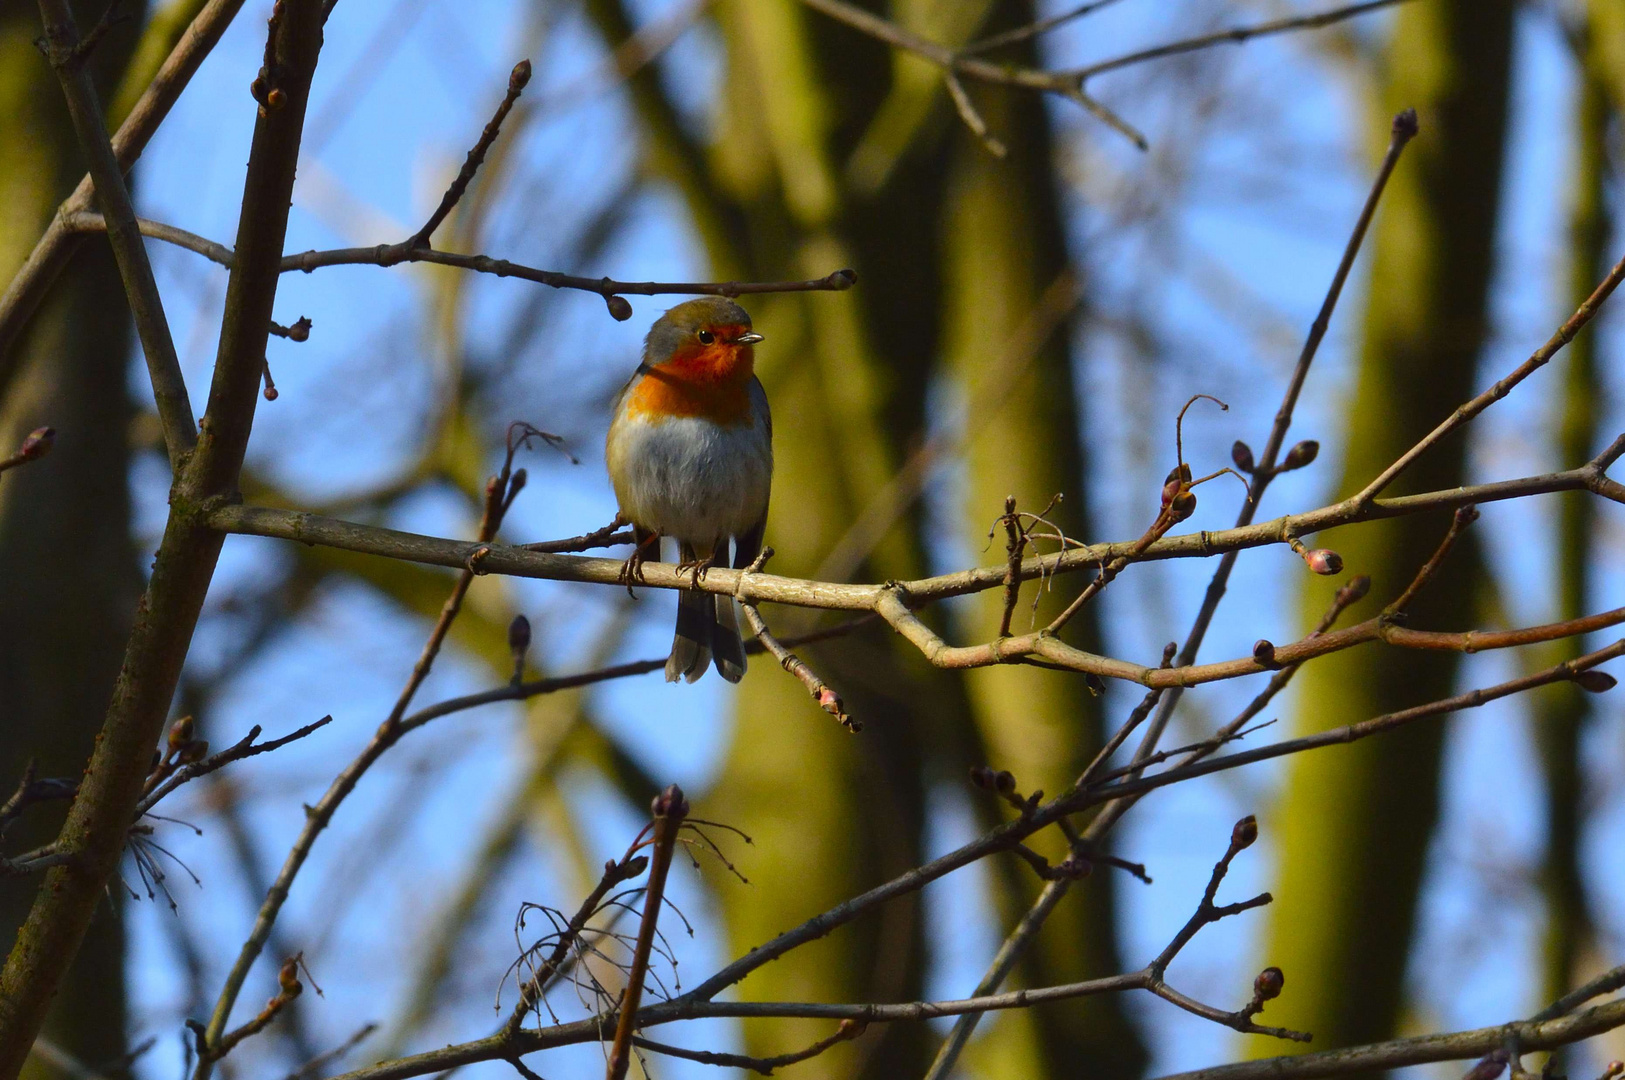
{"type": "Point", "coordinates": [497, 502]}
{"type": "Point", "coordinates": [322, 1060]}
{"type": "Point", "coordinates": [847, 1031]}
{"type": "Point", "coordinates": [1233, 36]}
{"type": "Point", "coordinates": [405, 252]}
{"type": "Point", "coordinates": [517, 80]}
{"type": "Point", "coordinates": [244, 748]}
{"type": "Point", "coordinates": [34, 446]}
{"type": "Point", "coordinates": [698, 1002]}
{"type": "Point", "coordinates": [669, 810]}
{"type": "Point", "coordinates": [53, 250]}
{"type": "Point", "coordinates": [135, 270]}
{"type": "Point", "coordinates": [1538, 359]}
{"type": "Point", "coordinates": [1033, 29]}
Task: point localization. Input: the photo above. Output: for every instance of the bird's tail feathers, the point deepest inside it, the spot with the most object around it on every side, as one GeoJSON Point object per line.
{"type": "Point", "coordinates": [726, 644]}
{"type": "Point", "coordinates": [696, 629]}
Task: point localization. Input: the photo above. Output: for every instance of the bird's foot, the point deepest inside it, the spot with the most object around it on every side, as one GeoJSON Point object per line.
{"type": "Point", "coordinates": [632, 571]}
{"type": "Point", "coordinates": [697, 568]}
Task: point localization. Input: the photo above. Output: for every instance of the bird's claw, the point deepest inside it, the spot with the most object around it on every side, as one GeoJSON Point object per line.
{"type": "Point", "coordinates": [632, 571]}
{"type": "Point", "coordinates": [697, 568]}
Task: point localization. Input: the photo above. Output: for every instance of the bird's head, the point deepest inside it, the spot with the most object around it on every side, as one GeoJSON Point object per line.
{"type": "Point", "coordinates": [708, 339]}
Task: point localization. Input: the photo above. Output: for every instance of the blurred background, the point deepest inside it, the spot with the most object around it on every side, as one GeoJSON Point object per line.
{"type": "Point", "coordinates": [1457, 875]}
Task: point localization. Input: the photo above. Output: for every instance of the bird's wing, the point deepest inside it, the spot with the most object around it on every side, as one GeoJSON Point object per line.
{"type": "Point", "coordinates": [758, 405]}
{"type": "Point", "coordinates": [748, 546]}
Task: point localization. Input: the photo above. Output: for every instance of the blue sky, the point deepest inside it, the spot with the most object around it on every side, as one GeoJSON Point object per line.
{"type": "Point", "coordinates": [1229, 244]}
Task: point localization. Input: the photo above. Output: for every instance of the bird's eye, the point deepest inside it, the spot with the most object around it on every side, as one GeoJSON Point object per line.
{"type": "Point", "coordinates": [707, 337]}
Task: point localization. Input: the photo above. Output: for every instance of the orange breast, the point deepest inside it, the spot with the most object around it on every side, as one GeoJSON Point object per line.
{"type": "Point", "coordinates": [713, 386]}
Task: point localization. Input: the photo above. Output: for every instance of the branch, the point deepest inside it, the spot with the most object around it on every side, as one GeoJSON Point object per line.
{"type": "Point", "coordinates": [517, 80]}
{"type": "Point", "coordinates": [1565, 334]}
{"type": "Point", "coordinates": [1067, 83]}
{"type": "Point", "coordinates": [243, 749]}
{"type": "Point", "coordinates": [847, 1031]}
{"type": "Point", "coordinates": [1233, 36]}
{"type": "Point", "coordinates": [36, 445]}
{"type": "Point", "coordinates": [307, 528]}
{"type": "Point", "coordinates": [407, 252]}
{"type": "Point", "coordinates": [67, 56]}
{"type": "Point", "coordinates": [698, 1002]}
{"type": "Point", "coordinates": [92, 839]}
{"type": "Point", "coordinates": [53, 250]}
{"type": "Point", "coordinates": [1459, 1046]}
{"type": "Point", "coordinates": [499, 492]}
{"type": "Point", "coordinates": [670, 808]}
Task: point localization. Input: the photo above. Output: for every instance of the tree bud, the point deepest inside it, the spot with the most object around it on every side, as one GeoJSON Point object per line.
{"type": "Point", "coordinates": [1264, 652]}
{"type": "Point", "coordinates": [1267, 987]}
{"type": "Point", "coordinates": [519, 636]}
{"type": "Point", "coordinates": [1183, 505]}
{"type": "Point", "coordinates": [181, 732]}
{"type": "Point", "coordinates": [1245, 832]}
{"type": "Point", "coordinates": [1242, 455]}
{"type": "Point", "coordinates": [1355, 590]}
{"type": "Point", "coordinates": [1324, 561]}
{"type": "Point", "coordinates": [37, 444]}
{"type": "Point", "coordinates": [1300, 455]}
{"type": "Point", "coordinates": [670, 803]}
{"type": "Point", "coordinates": [1595, 682]}
{"type": "Point", "coordinates": [619, 309]}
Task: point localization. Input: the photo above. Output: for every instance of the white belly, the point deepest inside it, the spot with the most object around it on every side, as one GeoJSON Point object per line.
{"type": "Point", "coordinates": [689, 478]}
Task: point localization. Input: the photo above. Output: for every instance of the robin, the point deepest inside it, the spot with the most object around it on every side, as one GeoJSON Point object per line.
{"type": "Point", "coordinates": [690, 452]}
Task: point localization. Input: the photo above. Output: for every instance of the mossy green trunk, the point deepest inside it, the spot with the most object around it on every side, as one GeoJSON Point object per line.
{"type": "Point", "coordinates": [1354, 823]}
{"type": "Point", "coordinates": [833, 150]}
{"type": "Point", "coordinates": [70, 582]}
{"type": "Point", "coordinates": [1561, 711]}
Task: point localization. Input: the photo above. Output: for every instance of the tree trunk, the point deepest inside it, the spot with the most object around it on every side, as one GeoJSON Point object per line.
{"type": "Point", "coordinates": [71, 580]}
{"type": "Point", "coordinates": [1354, 823]}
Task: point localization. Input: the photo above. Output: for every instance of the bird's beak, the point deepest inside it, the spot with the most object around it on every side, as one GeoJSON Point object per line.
{"type": "Point", "coordinates": [748, 339]}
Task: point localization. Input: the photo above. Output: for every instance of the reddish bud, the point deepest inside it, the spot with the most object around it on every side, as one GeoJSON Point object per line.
{"type": "Point", "coordinates": [1183, 505]}
{"type": "Point", "coordinates": [1004, 782]}
{"type": "Point", "coordinates": [181, 732]}
{"type": "Point", "coordinates": [1595, 682]}
{"type": "Point", "coordinates": [619, 309]}
{"type": "Point", "coordinates": [37, 444]}
{"type": "Point", "coordinates": [288, 977]}
{"type": "Point", "coordinates": [1244, 833]}
{"type": "Point", "coordinates": [1324, 561]}
{"type": "Point", "coordinates": [1268, 985]}
{"type": "Point", "coordinates": [519, 77]}
{"type": "Point", "coordinates": [635, 867]}
{"type": "Point", "coordinates": [1355, 590]}
{"type": "Point", "coordinates": [517, 482]}
{"type": "Point", "coordinates": [300, 331]}
{"type": "Point", "coordinates": [670, 803]}
{"type": "Point", "coordinates": [1300, 455]}
{"type": "Point", "coordinates": [1242, 455]}
{"type": "Point", "coordinates": [1264, 652]}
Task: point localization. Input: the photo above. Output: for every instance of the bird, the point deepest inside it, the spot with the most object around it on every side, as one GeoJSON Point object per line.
{"type": "Point", "coordinates": [690, 456]}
